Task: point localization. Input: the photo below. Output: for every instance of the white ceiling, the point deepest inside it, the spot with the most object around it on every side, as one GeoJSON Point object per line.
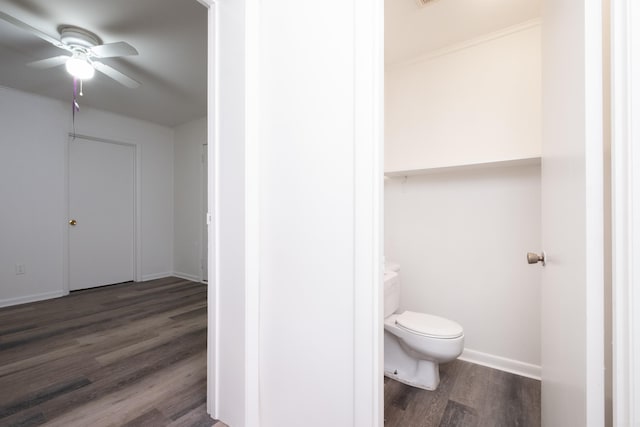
{"type": "Point", "coordinates": [411, 30]}
{"type": "Point", "coordinates": [170, 36]}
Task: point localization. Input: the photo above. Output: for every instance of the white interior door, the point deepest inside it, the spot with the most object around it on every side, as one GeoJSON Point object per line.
{"type": "Point", "coordinates": [572, 215]}
{"type": "Point", "coordinates": [101, 213]}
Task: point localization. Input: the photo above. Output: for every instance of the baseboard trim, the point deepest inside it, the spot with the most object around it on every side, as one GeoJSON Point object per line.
{"type": "Point", "coordinates": [154, 276]}
{"type": "Point", "coordinates": [32, 298]}
{"type": "Point", "coordinates": [502, 363]}
{"type": "Point", "coordinates": [186, 276]}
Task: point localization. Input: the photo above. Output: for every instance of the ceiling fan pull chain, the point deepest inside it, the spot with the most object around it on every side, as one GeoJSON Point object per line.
{"type": "Point", "coordinates": [75, 105]}
{"type": "Point", "coordinates": [81, 94]}
{"type": "Point", "coordinates": [73, 102]}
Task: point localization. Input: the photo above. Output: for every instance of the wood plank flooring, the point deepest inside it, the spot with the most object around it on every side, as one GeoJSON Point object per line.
{"type": "Point", "coordinates": [124, 355]}
{"type": "Point", "coordinates": [134, 355]}
{"type": "Point", "coordinates": [469, 395]}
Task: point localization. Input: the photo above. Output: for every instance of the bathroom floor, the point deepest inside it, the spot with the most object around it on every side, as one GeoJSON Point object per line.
{"type": "Point", "coordinates": [468, 395]}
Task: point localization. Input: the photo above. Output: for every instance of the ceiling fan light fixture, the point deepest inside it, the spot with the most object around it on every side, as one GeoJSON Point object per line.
{"type": "Point", "coordinates": [79, 67]}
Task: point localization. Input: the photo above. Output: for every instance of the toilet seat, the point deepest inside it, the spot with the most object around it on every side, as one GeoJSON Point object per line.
{"type": "Point", "coordinates": [428, 325]}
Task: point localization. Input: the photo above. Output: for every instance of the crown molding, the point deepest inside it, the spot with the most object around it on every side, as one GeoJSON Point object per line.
{"type": "Point", "coordinates": [431, 55]}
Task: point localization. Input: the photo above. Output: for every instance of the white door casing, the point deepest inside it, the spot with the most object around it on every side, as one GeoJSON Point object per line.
{"type": "Point", "coordinates": [212, 206]}
{"type": "Point", "coordinates": [625, 84]}
{"type": "Point", "coordinates": [204, 235]}
{"type": "Point", "coordinates": [572, 215]}
{"type": "Point", "coordinates": [102, 189]}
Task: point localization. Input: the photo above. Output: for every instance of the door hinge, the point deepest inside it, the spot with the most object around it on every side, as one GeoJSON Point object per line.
{"type": "Point", "coordinates": [209, 219]}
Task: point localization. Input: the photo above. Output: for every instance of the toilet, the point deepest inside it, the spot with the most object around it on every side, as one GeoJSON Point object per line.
{"type": "Point", "coordinates": [415, 343]}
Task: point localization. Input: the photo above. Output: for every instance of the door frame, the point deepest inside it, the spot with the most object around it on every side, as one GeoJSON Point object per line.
{"type": "Point", "coordinates": [204, 209]}
{"type": "Point", "coordinates": [212, 209]}
{"type": "Point", "coordinates": [625, 60]}
{"type": "Point", "coordinates": [368, 218]}
{"type": "Point", "coordinates": [137, 256]}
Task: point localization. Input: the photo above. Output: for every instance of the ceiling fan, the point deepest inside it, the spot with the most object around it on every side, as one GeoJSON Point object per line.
{"type": "Point", "coordinates": [85, 48]}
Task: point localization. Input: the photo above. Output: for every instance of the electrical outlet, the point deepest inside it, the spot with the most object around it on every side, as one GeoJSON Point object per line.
{"type": "Point", "coordinates": [21, 269]}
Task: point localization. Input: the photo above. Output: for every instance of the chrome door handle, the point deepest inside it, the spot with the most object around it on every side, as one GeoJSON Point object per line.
{"type": "Point", "coordinates": [535, 258]}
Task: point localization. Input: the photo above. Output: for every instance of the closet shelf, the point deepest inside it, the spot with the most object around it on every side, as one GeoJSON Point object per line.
{"type": "Point", "coordinates": [529, 161]}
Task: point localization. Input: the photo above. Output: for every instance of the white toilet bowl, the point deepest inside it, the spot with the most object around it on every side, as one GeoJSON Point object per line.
{"type": "Point", "coordinates": [416, 343]}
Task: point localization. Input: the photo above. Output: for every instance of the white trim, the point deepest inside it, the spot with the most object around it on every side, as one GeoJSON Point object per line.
{"type": "Point", "coordinates": [213, 210]}
{"type": "Point", "coordinates": [154, 276]}
{"type": "Point", "coordinates": [252, 214]}
{"type": "Point", "coordinates": [32, 298]}
{"type": "Point", "coordinates": [465, 44]}
{"type": "Point", "coordinates": [137, 224]}
{"type": "Point", "coordinates": [368, 116]}
{"type": "Point", "coordinates": [213, 100]}
{"type": "Point", "coordinates": [625, 84]}
{"type": "Point", "coordinates": [67, 215]}
{"type": "Point", "coordinates": [502, 363]}
{"type": "Point", "coordinates": [186, 276]}
{"type": "Point", "coordinates": [594, 212]}
{"type": "Point", "coordinates": [203, 226]}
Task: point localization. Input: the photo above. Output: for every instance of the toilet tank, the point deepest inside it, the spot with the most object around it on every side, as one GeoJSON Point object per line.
{"type": "Point", "coordinates": [391, 292]}
{"type": "Point", "coordinates": [391, 266]}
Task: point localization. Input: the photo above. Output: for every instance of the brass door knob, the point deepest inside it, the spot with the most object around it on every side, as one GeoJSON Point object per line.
{"type": "Point", "coordinates": [72, 222]}
{"type": "Point", "coordinates": [535, 258]}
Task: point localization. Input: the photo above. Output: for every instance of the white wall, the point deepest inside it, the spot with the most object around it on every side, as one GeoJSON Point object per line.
{"type": "Point", "coordinates": [294, 245]}
{"type": "Point", "coordinates": [34, 132]}
{"type": "Point", "coordinates": [471, 103]}
{"type": "Point", "coordinates": [306, 222]}
{"type": "Point", "coordinates": [318, 166]}
{"type": "Point", "coordinates": [461, 238]}
{"type": "Point", "coordinates": [188, 198]}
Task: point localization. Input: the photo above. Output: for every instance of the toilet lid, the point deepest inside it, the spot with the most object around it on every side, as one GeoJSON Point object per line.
{"type": "Point", "coordinates": [391, 266]}
{"type": "Point", "coordinates": [429, 325]}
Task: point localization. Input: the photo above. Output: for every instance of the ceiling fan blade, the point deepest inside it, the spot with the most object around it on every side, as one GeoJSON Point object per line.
{"type": "Point", "coordinates": [116, 75]}
{"type": "Point", "coordinates": [49, 62]}
{"type": "Point", "coordinates": [34, 31]}
{"type": "Point", "coordinates": [111, 50]}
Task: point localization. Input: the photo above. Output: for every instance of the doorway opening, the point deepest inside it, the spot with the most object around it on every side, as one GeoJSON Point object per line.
{"type": "Point", "coordinates": [462, 179]}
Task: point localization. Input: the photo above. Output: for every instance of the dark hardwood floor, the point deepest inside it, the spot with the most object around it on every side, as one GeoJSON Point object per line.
{"type": "Point", "coordinates": [134, 355]}
{"type": "Point", "coordinates": [468, 395]}
{"type": "Point", "coordinates": [124, 355]}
